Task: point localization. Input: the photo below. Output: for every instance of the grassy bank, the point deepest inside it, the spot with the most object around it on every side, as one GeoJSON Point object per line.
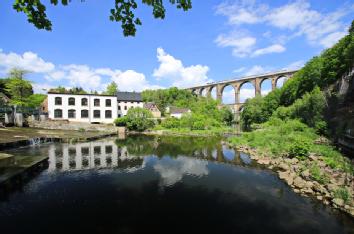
{"type": "Point", "coordinates": [277, 138]}
{"type": "Point", "coordinates": [188, 131]}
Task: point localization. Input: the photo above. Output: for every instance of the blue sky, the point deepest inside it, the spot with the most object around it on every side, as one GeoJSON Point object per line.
{"type": "Point", "coordinates": [216, 40]}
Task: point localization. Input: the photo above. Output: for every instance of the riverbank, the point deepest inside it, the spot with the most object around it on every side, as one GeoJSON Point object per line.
{"type": "Point", "coordinates": [15, 137]}
{"type": "Point", "coordinates": [227, 131]}
{"type": "Point", "coordinates": [305, 161]}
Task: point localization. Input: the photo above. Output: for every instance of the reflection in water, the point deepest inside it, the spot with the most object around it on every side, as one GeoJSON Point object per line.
{"type": "Point", "coordinates": [91, 155]}
{"type": "Point", "coordinates": [130, 153]}
{"type": "Point", "coordinates": [145, 184]}
{"type": "Point", "coordinates": [172, 171]}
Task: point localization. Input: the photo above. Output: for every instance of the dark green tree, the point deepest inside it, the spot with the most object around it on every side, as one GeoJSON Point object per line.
{"type": "Point", "coordinates": [123, 12]}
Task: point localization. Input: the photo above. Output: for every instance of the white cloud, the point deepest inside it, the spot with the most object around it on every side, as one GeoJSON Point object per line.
{"type": "Point", "coordinates": [172, 171]}
{"type": "Point", "coordinates": [78, 75]}
{"type": "Point", "coordinates": [238, 70]}
{"type": "Point", "coordinates": [256, 70]}
{"type": "Point", "coordinates": [41, 87]}
{"type": "Point", "coordinates": [295, 65]}
{"type": "Point", "coordinates": [294, 18]}
{"type": "Point", "coordinates": [331, 39]}
{"type": "Point", "coordinates": [28, 61]}
{"type": "Point", "coordinates": [242, 45]}
{"type": "Point", "coordinates": [242, 12]}
{"type": "Point", "coordinates": [173, 70]}
{"type": "Point", "coordinates": [276, 48]}
{"type": "Point", "coordinates": [246, 93]}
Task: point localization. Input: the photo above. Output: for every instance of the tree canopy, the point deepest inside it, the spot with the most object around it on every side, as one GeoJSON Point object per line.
{"type": "Point", "coordinates": [18, 88]}
{"type": "Point", "coordinates": [123, 12]}
{"type": "Point", "coordinates": [301, 97]}
{"type": "Point", "coordinates": [111, 89]}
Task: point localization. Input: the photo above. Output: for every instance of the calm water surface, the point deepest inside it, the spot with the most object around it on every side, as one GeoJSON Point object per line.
{"type": "Point", "coordinates": [158, 185]}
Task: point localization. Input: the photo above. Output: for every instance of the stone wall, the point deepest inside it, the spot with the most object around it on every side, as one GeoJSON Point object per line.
{"type": "Point", "coordinates": [66, 125]}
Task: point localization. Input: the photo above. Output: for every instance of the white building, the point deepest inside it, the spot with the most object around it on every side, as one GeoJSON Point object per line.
{"type": "Point", "coordinates": [91, 108]}
{"type": "Point", "coordinates": [128, 100]}
{"type": "Point", "coordinates": [176, 112]}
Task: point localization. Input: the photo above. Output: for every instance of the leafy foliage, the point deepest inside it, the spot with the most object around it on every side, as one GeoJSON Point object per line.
{"type": "Point", "coordinates": [291, 138]}
{"type": "Point", "coordinates": [301, 97]}
{"type": "Point", "coordinates": [18, 88]}
{"type": "Point", "coordinates": [137, 119]}
{"type": "Point", "coordinates": [35, 100]}
{"type": "Point", "coordinates": [299, 149]}
{"type": "Point", "coordinates": [74, 90]}
{"type": "Point", "coordinates": [169, 97]}
{"type": "Point", "coordinates": [206, 112]}
{"type": "Point", "coordinates": [112, 89]}
{"type": "Point", "coordinates": [123, 12]}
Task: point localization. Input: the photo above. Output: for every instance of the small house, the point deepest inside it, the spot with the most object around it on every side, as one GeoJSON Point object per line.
{"type": "Point", "coordinates": [176, 112]}
{"type": "Point", "coordinates": [152, 107]}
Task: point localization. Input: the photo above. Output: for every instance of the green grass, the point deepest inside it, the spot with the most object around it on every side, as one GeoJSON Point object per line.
{"type": "Point", "coordinates": [211, 131]}
{"type": "Point", "coordinates": [343, 193]}
{"type": "Point", "coordinates": [277, 138]}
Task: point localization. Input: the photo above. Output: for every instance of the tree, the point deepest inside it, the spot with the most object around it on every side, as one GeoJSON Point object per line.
{"type": "Point", "coordinates": [35, 100]}
{"type": "Point", "coordinates": [18, 88]}
{"type": "Point", "coordinates": [123, 12]}
{"type": "Point", "coordinates": [138, 119]}
{"type": "Point", "coordinates": [112, 89]}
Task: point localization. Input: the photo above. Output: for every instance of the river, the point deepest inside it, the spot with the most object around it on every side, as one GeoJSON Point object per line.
{"type": "Point", "coordinates": [147, 184]}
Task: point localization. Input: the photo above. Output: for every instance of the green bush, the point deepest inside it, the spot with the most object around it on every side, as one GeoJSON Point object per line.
{"type": "Point", "coordinates": [171, 123]}
{"type": "Point", "coordinates": [198, 125]}
{"type": "Point", "coordinates": [121, 122]}
{"type": "Point", "coordinates": [137, 119]}
{"type": "Point", "coordinates": [299, 149]}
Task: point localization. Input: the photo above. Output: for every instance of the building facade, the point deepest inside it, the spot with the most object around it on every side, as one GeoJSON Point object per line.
{"type": "Point", "coordinates": [91, 108]}
{"type": "Point", "coordinates": [128, 100]}
{"type": "Point", "coordinates": [82, 107]}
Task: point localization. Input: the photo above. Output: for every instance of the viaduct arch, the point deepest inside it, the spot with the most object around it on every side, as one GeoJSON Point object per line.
{"type": "Point", "coordinates": [255, 80]}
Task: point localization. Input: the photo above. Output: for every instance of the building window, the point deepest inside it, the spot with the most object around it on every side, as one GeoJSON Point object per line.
{"type": "Point", "coordinates": [84, 102]}
{"type": "Point", "coordinates": [96, 114]}
{"type": "Point", "coordinates": [96, 102]}
{"type": "Point", "coordinates": [97, 150]}
{"type": "Point", "coordinates": [58, 101]}
{"type": "Point", "coordinates": [84, 113]}
{"type": "Point", "coordinates": [71, 114]}
{"type": "Point", "coordinates": [108, 149]}
{"type": "Point", "coordinates": [125, 107]}
{"type": "Point", "coordinates": [58, 113]}
{"type": "Point", "coordinates": [119, 115]}
{"type": "Point", "coordinates": [118, 107]}
{"type": "Point", "coordinates": [85, 151]}
{"type": "Point", "coordinates": [71, 101]}
{"type": "Point", "coordinates": [108, 102]}
{"type": "Point", "coordinates": [108, 114]}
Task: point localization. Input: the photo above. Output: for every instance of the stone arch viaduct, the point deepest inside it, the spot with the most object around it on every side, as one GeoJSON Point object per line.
{"type": "Point", "coordinates": [255, 80]}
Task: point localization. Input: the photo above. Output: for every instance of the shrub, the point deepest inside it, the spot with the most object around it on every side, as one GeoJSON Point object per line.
{"type": "Point", "coordinates": [318, 175]}
{"type": "Point", "coordinates": [171, 123]}
{"type": "Point", "coordinates": [342, 193]}
{"type": "Point", "coordinates": [198, 125]}
{"type": "Point", "coordinates": [138, 119]}
{"type": "Point", "coordinates": [121, 121]}
{"type": "Point", "coordinates": [299, 149]}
